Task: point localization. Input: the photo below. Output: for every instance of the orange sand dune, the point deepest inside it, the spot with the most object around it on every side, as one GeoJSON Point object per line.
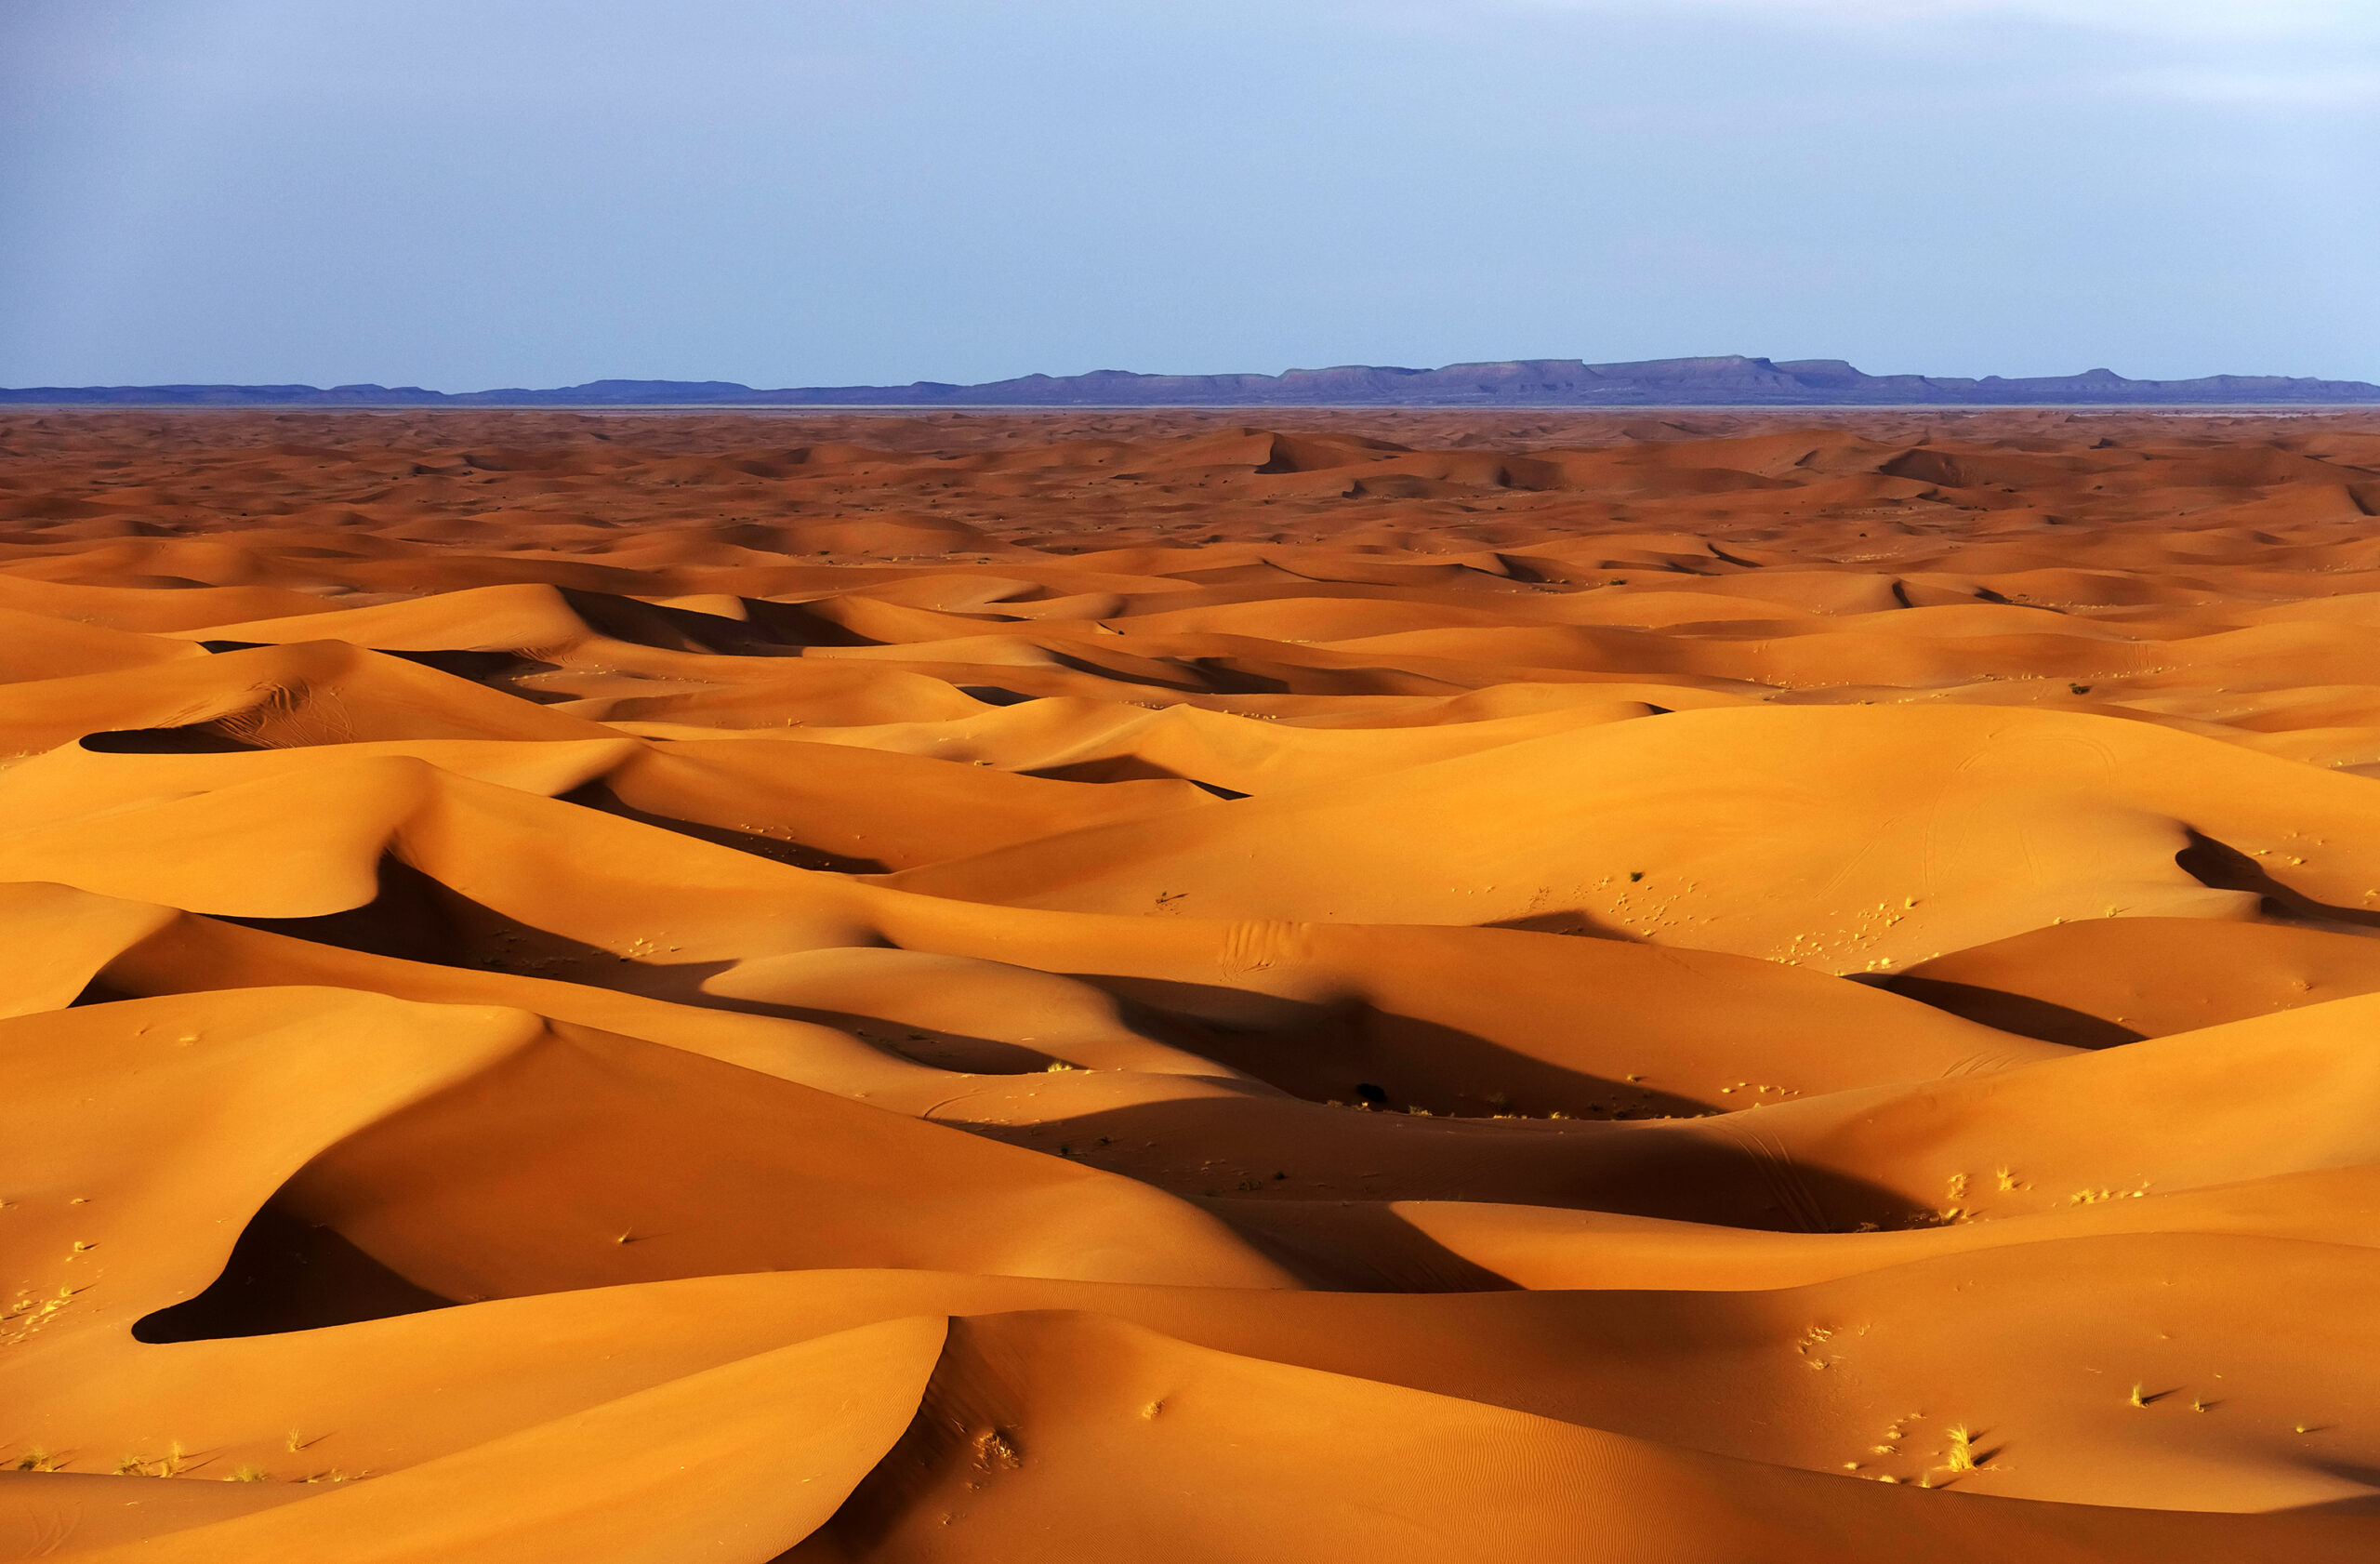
{"type": "Point", "coordinates": [1376, 986]}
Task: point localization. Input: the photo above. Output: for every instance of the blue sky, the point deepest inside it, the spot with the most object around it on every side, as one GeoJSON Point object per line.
{"type": "Point", "coordinates": [541, 192]}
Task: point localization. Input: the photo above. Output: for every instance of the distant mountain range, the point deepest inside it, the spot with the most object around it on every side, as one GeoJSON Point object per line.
{"type": "Point", "coordinates": [1733, 380]}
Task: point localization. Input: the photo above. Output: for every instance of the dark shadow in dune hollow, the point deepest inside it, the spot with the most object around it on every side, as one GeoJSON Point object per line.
{"type": "Point", "coordinates": [2020, 1014]}
{"type": "Point", "coordinates": [2225, 867]}
{"type": "Point", "coordinates": [285, 1274]}
{"type": "Point", "coordinates": [1304, 1152]}
{"type": "Point", "coordinates": [597, 796]}
{"type": "Point", "coordinates": [1350, 1051]}
{"type": "Point", "coordinates": [196, 738]}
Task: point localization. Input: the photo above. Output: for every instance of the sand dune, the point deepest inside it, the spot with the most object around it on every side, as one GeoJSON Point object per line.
{"type": "Point", "coordinates": [1387, 986]}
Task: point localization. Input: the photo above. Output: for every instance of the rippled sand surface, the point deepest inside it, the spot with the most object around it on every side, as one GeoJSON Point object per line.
{"type": "Point", "coordinates": [1370, 986]}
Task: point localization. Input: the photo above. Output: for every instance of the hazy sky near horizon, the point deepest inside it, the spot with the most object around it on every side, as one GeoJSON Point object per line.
{"type": "Point", "coordinates": [471, 193]}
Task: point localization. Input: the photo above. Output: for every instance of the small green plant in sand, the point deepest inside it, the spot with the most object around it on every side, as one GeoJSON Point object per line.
{"type": "Point", "coordinates": [248, 1472]}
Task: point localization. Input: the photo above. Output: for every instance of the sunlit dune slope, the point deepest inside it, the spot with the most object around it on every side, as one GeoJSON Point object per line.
{"type": "Point", "coordinates": [1405, 985]}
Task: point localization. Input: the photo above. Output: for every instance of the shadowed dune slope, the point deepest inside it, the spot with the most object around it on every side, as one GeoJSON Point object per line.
{"type": "Point", "coordinates": [1708, 986]}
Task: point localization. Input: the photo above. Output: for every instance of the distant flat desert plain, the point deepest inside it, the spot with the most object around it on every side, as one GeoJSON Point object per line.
{"type": "Point", "coordinates": [1263, 987]}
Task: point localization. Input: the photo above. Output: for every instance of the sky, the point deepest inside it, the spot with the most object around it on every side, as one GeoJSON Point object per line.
{"type": "Point", "coordinates": [473, 194]}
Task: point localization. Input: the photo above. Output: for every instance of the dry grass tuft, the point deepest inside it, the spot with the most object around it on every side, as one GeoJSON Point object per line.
{"type": "Point", "coordinates": [995, 1452]}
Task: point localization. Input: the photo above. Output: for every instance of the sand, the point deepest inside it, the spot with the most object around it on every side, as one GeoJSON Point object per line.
{"type": "Point", "coordinates": [1367, 986]}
